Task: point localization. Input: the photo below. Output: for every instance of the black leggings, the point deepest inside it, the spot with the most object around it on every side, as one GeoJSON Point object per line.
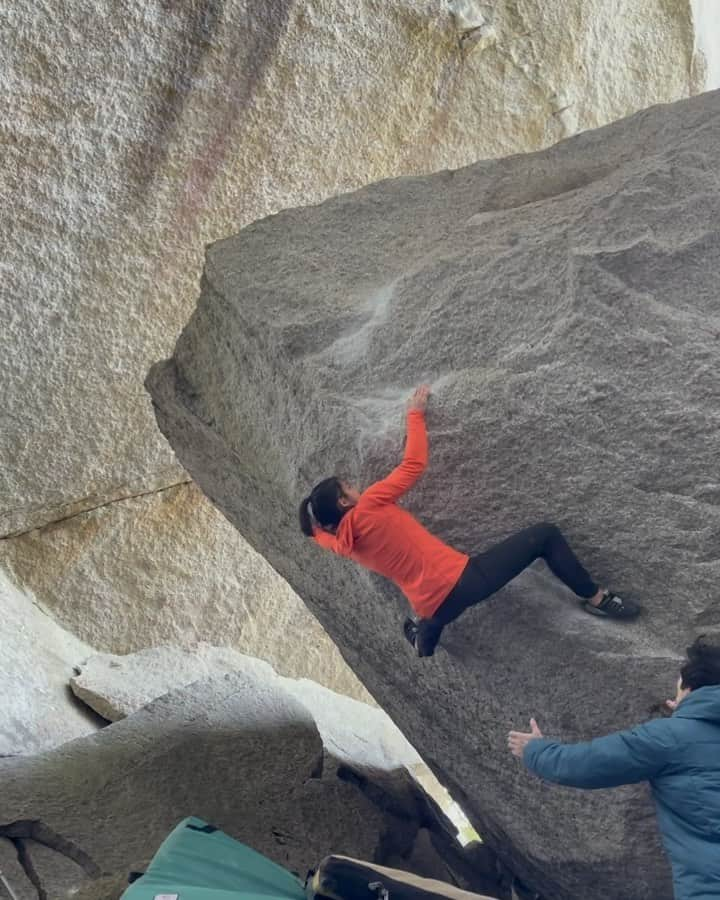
{"type": "Point", "coordinates": [489, 571]}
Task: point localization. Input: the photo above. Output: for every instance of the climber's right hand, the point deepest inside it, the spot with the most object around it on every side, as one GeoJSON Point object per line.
{"type": "Point", "coordinates": [419, 398]}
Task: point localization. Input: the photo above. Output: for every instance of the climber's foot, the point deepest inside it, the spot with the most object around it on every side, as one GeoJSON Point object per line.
{"type": "Point", "coordinates": [610, 606]}
{"type": "Point", "coordinates": [410, 631]}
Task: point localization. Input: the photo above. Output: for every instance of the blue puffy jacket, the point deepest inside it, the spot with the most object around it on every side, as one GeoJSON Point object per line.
{"type": "Point", "coordinates": [680, 757]}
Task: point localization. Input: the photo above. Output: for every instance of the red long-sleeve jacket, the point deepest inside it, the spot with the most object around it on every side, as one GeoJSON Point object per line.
{"type": "Point", "coordinates": [383, 537]}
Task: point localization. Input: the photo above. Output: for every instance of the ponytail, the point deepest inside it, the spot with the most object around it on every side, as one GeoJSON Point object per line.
{"type": "Point", "coordinates": [306, 523]}
{"type": "Point", "coordinates": [322, 506]}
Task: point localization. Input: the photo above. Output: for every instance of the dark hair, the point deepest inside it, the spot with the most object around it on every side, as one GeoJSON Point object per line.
{"type": "Point", "coordinates": [703, 665]}
{"type": "Point", "coordinates": [323, 502]}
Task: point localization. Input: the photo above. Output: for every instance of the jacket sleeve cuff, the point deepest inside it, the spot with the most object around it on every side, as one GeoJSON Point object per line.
{"type": "Point", "coordinates": [532, 751]}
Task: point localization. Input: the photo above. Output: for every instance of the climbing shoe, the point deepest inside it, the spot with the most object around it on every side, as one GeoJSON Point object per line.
{"type": "Point", "coordinates": [613, 607]}
{"type": "Point", "coordinates": [410, 631]}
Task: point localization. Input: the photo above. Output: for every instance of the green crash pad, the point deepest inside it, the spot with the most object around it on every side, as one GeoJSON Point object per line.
{"type": "Point", "coordinates": [198, 862]}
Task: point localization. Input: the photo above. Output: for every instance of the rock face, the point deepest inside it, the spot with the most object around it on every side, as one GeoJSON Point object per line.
{"type": "Point", "coordinates": [167, 126]}
{"type": "Point", "coordinates": [37, 661]}
{"type": "Point", "coordinates": [563, 306]}
{"type": "Point", "coordinates": [237, 751]}
{"type": "Point", "coordinates": [117, 686]}
{"type": "Point", "coordinates": [169, 568]}
{"type": "Point", "coordinates": [140, 133]}
{"type": "Point", "coordinates": [355, 733]}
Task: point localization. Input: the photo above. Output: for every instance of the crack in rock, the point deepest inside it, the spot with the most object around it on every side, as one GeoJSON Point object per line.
{"type": "Point", "coordinates": [84, 510]}
{"type": "Point", "coordinates": [34, 830]}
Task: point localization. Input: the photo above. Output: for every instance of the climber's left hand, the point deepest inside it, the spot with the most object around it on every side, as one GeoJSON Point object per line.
{"type": "Point", "coordinates": [518, 740]}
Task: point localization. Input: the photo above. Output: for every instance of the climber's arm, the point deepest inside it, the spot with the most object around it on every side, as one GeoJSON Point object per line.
{"type": "Point", "coordinates": [415, 458]}
{"type": "Point", "coordinates": [626, 757]}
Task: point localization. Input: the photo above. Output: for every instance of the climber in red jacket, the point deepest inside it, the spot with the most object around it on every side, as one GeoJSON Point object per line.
{"type": "Point", "coordinates": [439, 582]}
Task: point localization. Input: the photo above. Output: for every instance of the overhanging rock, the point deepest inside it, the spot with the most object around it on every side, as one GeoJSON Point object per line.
{"type": "Point", "coordinates": [564, 307]}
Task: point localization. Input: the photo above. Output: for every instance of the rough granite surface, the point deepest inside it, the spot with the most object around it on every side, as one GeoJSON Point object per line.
{"type": "Point", "coordinates": [563, 306]}
{"type": "Point", "coordinates": [352, 732]}
{"type": "Point", "coordinates": [168, 568]}
{"type": "Point", "coordinates": [140, 131]}
{"type": "Point", "coordinates": [136, 133]}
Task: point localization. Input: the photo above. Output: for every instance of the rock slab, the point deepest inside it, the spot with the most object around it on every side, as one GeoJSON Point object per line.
{"type": "Point", "coordinates": [563, 306]}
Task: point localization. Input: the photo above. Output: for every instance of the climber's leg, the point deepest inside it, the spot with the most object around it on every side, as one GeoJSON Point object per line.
{"type": "Point", "coordinates": [487, 572]}
{"type": "Point", "coordinates": [504, 561]}
{"type": "Point", "coordinates": [470, 589]}
{"type": "Point", "coordinates": [423, 635]}
{"type": "Point", "coordinates": [507, 559]}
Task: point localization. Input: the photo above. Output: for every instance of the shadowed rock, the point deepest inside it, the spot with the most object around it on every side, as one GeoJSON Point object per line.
{"type": "Point", "coordinates": [353, 732]}
{"type": "Point", "coordinates": [238, 750]}
{"type": "Point", "coordinates": [564, 307]}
